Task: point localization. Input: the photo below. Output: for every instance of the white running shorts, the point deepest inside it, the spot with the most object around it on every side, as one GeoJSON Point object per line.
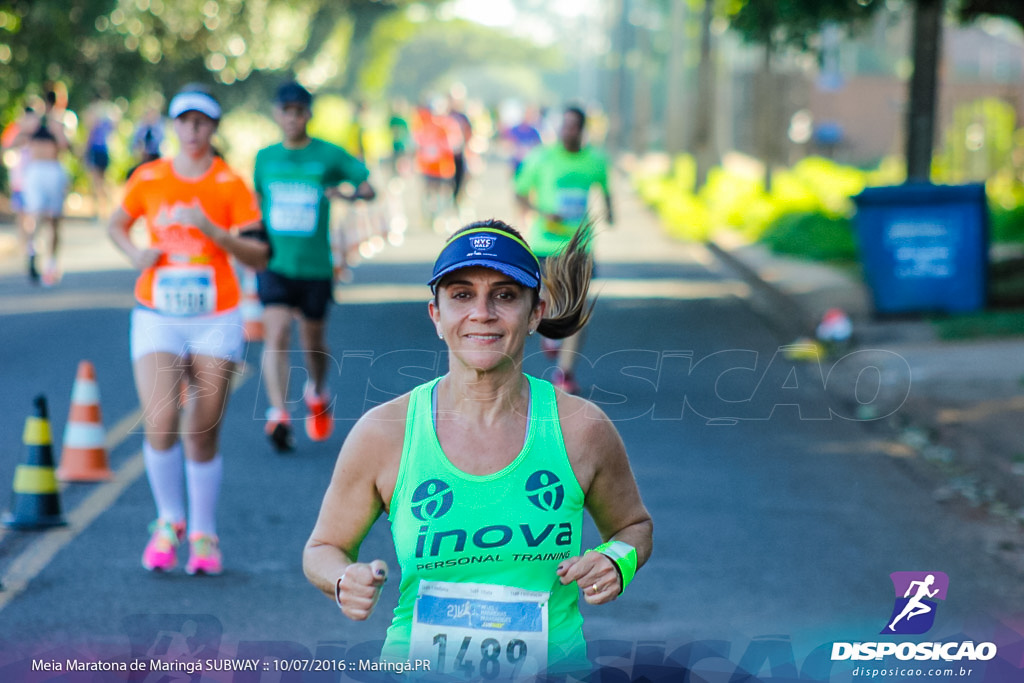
{"type": "Point", "coordinates": [219, 335]}
{"type": "Point", "coordinates": [43, 188]}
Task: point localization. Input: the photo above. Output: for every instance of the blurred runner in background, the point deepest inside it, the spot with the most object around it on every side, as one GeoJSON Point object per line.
{"type": "Point", "coordinates": [555, 182]}
{"type": "Point", "coordinates": [100, 119]}
{"type": "Point", "coordinates": [45, 181]}
{"type": "Point", "coordinates": [295, 180]}
{"type": "Point", "coordinates": [187, 327]}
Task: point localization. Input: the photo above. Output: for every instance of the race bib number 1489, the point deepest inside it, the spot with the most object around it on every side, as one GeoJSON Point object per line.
{"type": "Point", "coordinates": [480, 631]}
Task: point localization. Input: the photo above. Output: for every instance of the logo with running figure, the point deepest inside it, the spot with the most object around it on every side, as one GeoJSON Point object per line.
{"type": "Point", "coordinates": [544, 490]}
{"type": "Point", "coordinates": [432, 500]}
{"type": "Point", "coordinates": [916, 593]}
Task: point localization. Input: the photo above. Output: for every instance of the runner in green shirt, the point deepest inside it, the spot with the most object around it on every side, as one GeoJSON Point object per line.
{"type": "Point", "coordinates": [295, 180]}
{"type": "Point", "coordinates": [554, 183]}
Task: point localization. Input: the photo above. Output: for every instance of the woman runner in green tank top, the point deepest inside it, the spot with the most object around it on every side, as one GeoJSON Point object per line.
{"type": "Point", "coordinates": [486, 485]}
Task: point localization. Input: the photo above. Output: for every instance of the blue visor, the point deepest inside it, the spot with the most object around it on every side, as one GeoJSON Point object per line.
{"type": "Point", "coordinates": [491, 249]}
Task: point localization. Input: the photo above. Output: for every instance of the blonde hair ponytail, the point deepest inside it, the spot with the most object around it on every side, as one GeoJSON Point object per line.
{"type": "Point", "coordinates": [567, 281]}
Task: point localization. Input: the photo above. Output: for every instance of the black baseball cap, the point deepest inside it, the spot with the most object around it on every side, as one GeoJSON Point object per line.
{"type": "Point", "coordinates": [293, 93]}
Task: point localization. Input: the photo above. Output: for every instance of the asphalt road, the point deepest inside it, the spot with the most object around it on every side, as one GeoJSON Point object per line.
{"type": "Point", "coordinates": [778, 516]}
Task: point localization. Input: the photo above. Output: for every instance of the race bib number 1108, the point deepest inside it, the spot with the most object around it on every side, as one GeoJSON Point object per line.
{"type": "Point", "coordinates": [184, 291]}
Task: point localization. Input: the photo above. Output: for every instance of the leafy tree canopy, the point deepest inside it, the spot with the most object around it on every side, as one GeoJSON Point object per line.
{"type": "Point", "coordinates": [793, 22]}
{"type": "Point", "coordinates": [126, 48]}
{"type": "Point", "coordinates": [1011, 9]}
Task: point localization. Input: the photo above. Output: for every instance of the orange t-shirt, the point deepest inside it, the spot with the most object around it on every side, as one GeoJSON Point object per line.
{"type": "Point", "coordinates": [193, 276]}
{"type": "Point", "coordinates": [434, 154]}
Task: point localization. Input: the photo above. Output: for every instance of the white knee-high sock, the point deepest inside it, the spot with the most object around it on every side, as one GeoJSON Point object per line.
{"type": "Point", "coordinates": [166, 473]}
{"type": "Point", "coordinates": [203, 482]}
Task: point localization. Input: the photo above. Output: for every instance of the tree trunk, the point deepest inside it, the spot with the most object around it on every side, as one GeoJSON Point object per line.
{"type": "Point", "coordinates": [617, 87]}
{"type": "Point", "coordinates": [766, 121]}
{"type": "Point", "coordinates": [675, 100]}
{"type": "Point", "coordinates": [923, 89]}
{"type": "Point", "coordinates": [641, 92]}
{"type": "Point", "coordinates": [703, 144]}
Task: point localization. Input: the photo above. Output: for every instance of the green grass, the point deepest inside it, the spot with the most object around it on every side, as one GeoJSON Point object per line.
{"type": "Point", "coordinates": [996, 323]}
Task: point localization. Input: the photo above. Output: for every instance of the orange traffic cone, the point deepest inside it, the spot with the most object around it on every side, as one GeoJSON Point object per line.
{"type": "Point", "coordinates": [36, 504]}
{"type": "Point", "coordinates": [84, 457]}
{"type": "Point", "coordinates": [252, 309]}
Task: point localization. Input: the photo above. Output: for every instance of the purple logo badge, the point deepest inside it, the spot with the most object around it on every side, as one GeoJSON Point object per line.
{"type": "Point", "coordinates": [916, 593]}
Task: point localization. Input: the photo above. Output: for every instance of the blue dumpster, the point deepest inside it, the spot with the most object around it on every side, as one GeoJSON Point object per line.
{"type": "Point", "coordinates": [924, 247]}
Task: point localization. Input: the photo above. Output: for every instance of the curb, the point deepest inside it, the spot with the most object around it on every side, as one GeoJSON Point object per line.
{"type": "Point", "coordinates": [787, 317]}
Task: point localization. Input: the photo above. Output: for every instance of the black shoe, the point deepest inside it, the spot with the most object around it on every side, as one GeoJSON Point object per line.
{"type": "Point", "coordinates": [282, 438]}
{"type": "Point", "coordinates": [33, 274]}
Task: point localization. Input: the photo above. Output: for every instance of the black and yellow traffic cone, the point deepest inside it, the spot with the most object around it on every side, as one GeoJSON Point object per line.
{"type": "Point", "coordinates": [36, 502]}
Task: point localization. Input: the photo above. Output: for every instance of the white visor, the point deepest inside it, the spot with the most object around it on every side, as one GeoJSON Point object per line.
{"type": "Point", "coordinates": [194, 101]}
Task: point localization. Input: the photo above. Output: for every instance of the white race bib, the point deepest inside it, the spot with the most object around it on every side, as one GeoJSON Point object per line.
{"type": "Point", "coordinates": [480, 631]}
{"type": "Point", "coordinates": [185, 290]}
{"type": "Point", "coordinates": [293, 208]}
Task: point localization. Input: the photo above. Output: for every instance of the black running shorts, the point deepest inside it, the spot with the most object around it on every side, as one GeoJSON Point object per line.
{"type": "Point", "coordinates": [311, 297]}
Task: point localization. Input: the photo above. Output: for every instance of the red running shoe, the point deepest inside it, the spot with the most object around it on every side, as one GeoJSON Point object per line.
{"type": "Point", "coordinates": [320, 422]}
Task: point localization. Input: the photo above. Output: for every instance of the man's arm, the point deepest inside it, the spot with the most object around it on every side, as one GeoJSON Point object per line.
{"type": "Point", "coordinates": [608, 206]}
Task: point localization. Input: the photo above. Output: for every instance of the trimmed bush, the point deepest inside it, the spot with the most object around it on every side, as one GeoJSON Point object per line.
{"type": "Point", "coordinates": [813, 236]}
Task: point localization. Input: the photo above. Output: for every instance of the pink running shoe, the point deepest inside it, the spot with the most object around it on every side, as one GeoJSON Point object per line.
{"type": "Point", "coordinates": [161, 553]}
{"type": "Point", "coordinates": [204, 555]}
{"type": "Point", "coordinates": [51, 274]}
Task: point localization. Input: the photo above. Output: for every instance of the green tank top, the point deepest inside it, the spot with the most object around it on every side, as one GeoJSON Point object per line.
{"type": "Point", "coordinates": [510, 528]}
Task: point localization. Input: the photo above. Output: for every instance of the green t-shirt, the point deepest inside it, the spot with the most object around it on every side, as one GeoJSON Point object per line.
{"type": "Point", "coordinates": [560, 183]}
{"type": "Point", "coordinates": [291, 185]}
{"type": "Point", "coordinates": [507, 529]}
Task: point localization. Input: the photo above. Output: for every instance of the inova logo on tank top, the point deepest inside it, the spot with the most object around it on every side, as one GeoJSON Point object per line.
{"type": "Point", "coordinates": [433, 499]}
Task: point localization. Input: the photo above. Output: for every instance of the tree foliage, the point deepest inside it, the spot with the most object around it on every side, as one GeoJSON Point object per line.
{"type": "Point", "coordinates": [131, 47]}
{"type": "Point", "coordinates": [975, 9]}
{"type": "Point", "coordinates": [793, 23]}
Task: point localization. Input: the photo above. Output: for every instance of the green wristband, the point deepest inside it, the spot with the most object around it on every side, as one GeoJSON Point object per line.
{"type": "Point", "coordinates": [623, 556]}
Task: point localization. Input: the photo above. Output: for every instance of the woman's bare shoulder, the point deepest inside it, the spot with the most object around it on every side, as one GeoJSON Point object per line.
{"type": "Point", "coordinates": [583, 420]}
{"type": "Point", "coordinates": [591, 440]}
{"type": "Point", "coordinates": [383, 424]}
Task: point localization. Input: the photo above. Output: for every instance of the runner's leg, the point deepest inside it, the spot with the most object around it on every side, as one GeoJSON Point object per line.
{"type": "Point", "coordinates": [277, 327]}
{"type": "Point", "coordinates": [311, 335]}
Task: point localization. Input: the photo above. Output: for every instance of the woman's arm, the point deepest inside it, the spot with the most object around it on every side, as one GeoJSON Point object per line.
{"type": "Point", "coordinates": [249, 251]}
{"type": "Point", "coordinates": [118, 227]}
{"type": "Point", "coordinates": [363, 475]}
{"type": "Point", "coordinates": [363, 191]}
{"type": "Point", "coordinates": [612, 498]}
{"type": "Point", "coordinates": [56, 126]}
